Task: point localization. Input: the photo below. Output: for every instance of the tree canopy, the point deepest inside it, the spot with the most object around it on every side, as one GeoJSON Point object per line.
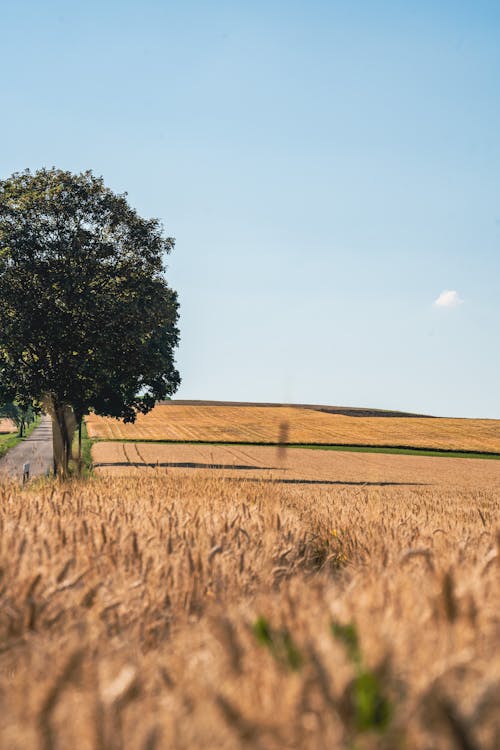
{"type": "Point", "coordinates": [87, 318]}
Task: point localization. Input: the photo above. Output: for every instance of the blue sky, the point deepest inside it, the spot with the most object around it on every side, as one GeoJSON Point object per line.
{"type": "Point", "coordinates": [328, 170]}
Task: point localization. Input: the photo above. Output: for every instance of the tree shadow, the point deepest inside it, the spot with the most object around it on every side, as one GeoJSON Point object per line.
{"type": "Point", "coordinates": [244, 467]}
{"type": "Point", "coordinates": [340, 483]}
{"type": "Point", "coordinates": [181, 465]}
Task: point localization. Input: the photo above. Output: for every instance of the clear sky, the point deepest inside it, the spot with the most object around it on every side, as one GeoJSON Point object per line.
{"type": "Point", "coordinates": [329, 170]}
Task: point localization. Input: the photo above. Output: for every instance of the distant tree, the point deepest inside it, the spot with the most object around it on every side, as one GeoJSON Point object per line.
{"type": "Point", "coordinates": [87, 319]}
{"type": "Point", "coordinates": [21, 415]}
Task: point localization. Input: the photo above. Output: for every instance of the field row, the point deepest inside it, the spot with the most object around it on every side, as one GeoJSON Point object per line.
{"type": "Point", "coordinates": [254, 424]}
{"type": "Point", "coordinates": [294, 465]}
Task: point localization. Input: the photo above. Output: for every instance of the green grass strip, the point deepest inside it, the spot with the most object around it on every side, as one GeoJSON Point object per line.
{"type": "Point", "coordinates": [8, 441]}
{"type": "Point", "coordinates": [87, 466]}
{"type": "Point", "coordinates": [433, 452]}
{"type": "Point", "coordinates": [86, 451]}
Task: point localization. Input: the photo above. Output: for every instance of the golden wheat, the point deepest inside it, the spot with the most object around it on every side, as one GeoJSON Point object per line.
{"type": "Point", "coordinates": [7, 425]}
{"type": "Point", "coordinates": [169, 611]}
{"type": "Point", "coordinates": [295, 465]}
{"type": "Point", "coordinates": [298, 425]}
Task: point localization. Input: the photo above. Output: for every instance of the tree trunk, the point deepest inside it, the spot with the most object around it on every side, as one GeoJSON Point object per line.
{"type": "Point", "coordinates": [63, 429]}
{"type": "Point", "coordinates": [61, 445]}
{"type": "Point", "coordinates": [80, 447]}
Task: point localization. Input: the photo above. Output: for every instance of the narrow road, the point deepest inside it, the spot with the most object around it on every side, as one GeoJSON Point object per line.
{"type": "Point", "coordinates": [35, 450]}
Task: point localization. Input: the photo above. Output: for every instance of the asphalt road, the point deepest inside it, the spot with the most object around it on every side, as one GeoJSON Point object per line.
{"type": "Point", "coordinates": [35, 450]}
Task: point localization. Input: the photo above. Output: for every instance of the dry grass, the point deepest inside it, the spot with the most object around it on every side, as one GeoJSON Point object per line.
{"type": "Point", "coordinates": [297, 425]}
{"type": "Point", "coordinates": [130, 608]}
{"type": "Point", "coordinates": [294, 465]}
{"type": "Point", "coordinates": [7, 425]}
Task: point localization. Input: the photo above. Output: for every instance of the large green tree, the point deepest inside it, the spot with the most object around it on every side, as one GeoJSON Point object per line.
{"type": "Point", "coordinates": [87, 319]}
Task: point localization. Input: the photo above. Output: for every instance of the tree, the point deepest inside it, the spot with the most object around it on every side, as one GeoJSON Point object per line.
{"type": "Point", "coordinates": [21, 415]}
{"type": "Point", "coordinates": [87, 319]}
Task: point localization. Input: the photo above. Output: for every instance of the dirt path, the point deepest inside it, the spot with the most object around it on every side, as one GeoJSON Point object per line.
{"type": "Point", "coordinates": [35, 450]}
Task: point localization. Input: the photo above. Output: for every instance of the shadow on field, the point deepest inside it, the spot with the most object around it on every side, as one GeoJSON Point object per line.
{"type": "Point", "coordinates": [330, 482]}
{"type": "Point", "coordinates": [181, 465]}
{"type": "Point", "coordinates": [243, 467]}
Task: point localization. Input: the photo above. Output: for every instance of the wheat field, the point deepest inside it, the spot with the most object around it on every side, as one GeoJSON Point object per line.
{"type": "Point", "coordinates": [7, 425]}
{"type": "Point", "coordinates": [294, 465]}
{"type": "Point", "coordinates": [275, 424]}
{"type": "Point", "coordinates": [194, 612]}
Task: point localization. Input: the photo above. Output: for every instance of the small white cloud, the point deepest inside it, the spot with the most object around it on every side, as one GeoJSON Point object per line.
{"type": "Point", "coordinates": [448, 298]}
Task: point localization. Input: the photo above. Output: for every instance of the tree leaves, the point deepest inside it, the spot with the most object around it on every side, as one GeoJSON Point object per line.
{"type": "Point", "coordinates": [86, 314]}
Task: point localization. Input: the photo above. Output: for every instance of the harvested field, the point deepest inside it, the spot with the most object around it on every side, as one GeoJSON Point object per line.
{"type": "Point", "coordinates": [7, 425]}
{"type": "Point", "coordinates": [294, 465]}
{"type": "Point", "coordinates": [349, 411]}
{"type": "Point", "coordinates": [199, 613]}
{"type": "Point", "coordinates": [255, 424]}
